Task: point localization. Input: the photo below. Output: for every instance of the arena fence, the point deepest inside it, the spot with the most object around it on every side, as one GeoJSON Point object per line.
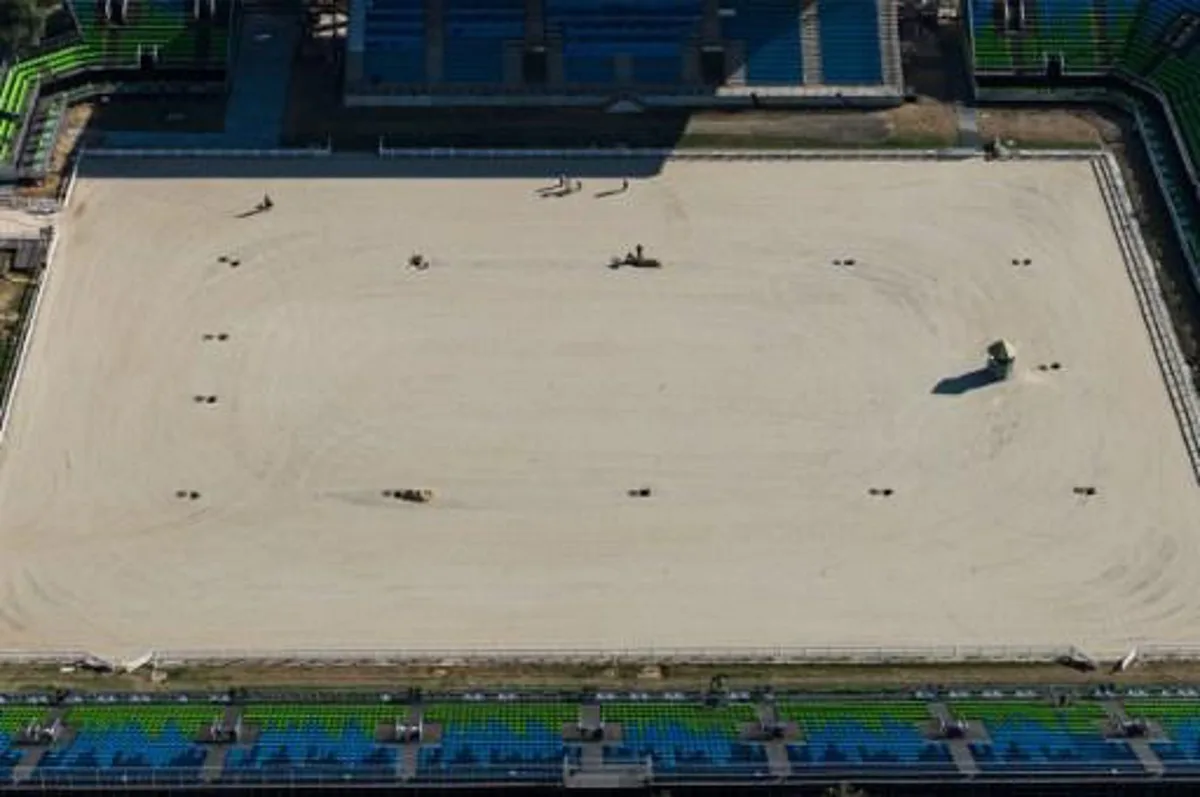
{"type": "Point", "coordinates": [1168, 653]}
{"type": "Point", "coordinates": [1140, 268]}
{"type": "Point", "coordinates": [595, 153]}
{"type": "Point", "coordinates": [647, 656]}
{"type": "Point", "coordinates": [28, 204]}
{"type": "Point", "coordinates": [13, 658]}
{"type": "Point", "coordinates": [814, 655]}
{"type": "Point", "coordinates": [223, 152]}
{"type": "Point", "coordinates": [1064, 778]}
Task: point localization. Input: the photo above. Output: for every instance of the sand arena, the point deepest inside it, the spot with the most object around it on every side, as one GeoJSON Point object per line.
{"type": "Point", "coordinates": [758, 389]}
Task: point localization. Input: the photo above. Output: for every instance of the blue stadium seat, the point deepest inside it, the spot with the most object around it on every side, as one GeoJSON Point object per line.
{"type": "Point", "coordinates": [1037, 748]}
{"type": "Point", "coordinates": [475, 36]}
{"type": "Point", "coordinates": [125, 754]}
{"type": "Point", "coordinates": [9, 757]}
{"type": "Point", "coordinates": [494, 751]}
{"type": "Point", "coordinates": [770, 34]}
{"type": "Point", "coordinates": [662, 67]}
{"type": "Point", "coordinates": [595, 32]}
{"type": "Point", "coordinates": [1180, 722]}
{"type": "Point", "coordinates": [394, 42]}
{"type": "Point", "coordinates": [679, 751]}
{"type": "Point", "coordinates": [850, 51]}
{"type": "Point", "coordinates": [310, 752]}
{"type": "Point", "coordinates": [850, 746]}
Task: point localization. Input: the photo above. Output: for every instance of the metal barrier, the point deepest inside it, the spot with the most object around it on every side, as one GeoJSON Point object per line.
{"type": "Point", "coordinates": [434, 153]}
{"type": "Point", "coordinates": [39, 205]}
{"type": "Point", "coordinates": [55, 657]}
{"type": "Point", "coordinates": [310, 152]}
{"type": "Point", "coordinates": [776, 655]}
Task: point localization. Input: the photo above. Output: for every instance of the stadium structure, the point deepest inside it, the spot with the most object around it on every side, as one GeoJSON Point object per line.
{"type": "Point", "coordinates": [70, 721]}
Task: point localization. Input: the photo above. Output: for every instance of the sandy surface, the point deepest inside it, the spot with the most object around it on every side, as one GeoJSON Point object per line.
{"type": "Point", "coordinates": [758, 389]}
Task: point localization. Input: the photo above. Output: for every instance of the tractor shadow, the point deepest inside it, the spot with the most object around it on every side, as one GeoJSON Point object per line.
{"type": "Point", "coordinates": [965, 382]}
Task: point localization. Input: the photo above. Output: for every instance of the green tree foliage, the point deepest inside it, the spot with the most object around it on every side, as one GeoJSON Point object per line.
{"type": "Point", "coordinates": [844, 790]}
{"type": "Point", "coordinates": [22, 23]}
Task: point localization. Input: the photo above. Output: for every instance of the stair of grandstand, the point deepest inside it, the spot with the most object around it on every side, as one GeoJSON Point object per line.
{"type": "Point", "coordinates": [20, 82]}
{"type": "Point", "coordinates": [878, 737]}
{"type": "Point", "coordinates": [850, 52]}
{"type": "Point", "coordinates": [651, 35]}
{"type": "Point", "coordinates": [476, 34]}
{"type": "Point", "coordinates": [44, 124]}
{"type": "Point", "coordinates": [810, 42]}
{"type": "Point", "coordinates": [394, 42]}
{"type": "Point", "coordinates": [769, 32]}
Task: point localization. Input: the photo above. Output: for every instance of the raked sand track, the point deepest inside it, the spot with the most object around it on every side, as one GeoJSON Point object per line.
{"type": "Point", "coordinates": [758, 389]}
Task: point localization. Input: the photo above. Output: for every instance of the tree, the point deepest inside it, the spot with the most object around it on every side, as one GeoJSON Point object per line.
{"type": "Point", "coordinates": [22, 23]}
{"type": "Point", "coordinates": [844, 790]}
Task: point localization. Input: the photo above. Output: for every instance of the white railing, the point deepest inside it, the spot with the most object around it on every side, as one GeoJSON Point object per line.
{"type": "Point", "coordinates": [800, 655]}
{"type": "Point", "coordinates": [29, 204]}
{"type": "Point", "coordinates": [1168, 653]}
{"type": "Point", "coordinates": [767, 655]}
{"type": "Point", "coordinates": [211, 152]}
{"type": "Point", "coordinates": [596, 153]}
{"type": "Point", "coordinates": [56, 657]}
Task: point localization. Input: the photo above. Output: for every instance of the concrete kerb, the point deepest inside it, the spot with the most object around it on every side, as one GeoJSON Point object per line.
{"type": "Point", "coordinates": [68, 189]}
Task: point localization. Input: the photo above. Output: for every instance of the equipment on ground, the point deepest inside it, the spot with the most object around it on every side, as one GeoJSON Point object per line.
{"type": "Point", "coordinates": [1001, 356]}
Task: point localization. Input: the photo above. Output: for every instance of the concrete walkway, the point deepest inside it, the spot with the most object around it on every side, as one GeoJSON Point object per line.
{"type": "Point", "coordinates": [968, 126]}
